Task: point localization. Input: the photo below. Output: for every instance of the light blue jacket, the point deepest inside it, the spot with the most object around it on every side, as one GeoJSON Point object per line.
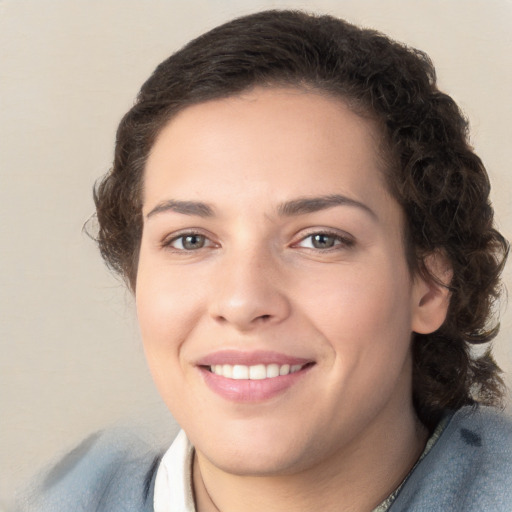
{"type": "Point", "coordinates": [469, 469]}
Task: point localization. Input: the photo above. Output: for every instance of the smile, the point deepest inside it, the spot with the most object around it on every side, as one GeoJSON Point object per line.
{"type": "Point", "coordinates": [252, 376]}
{"type": "Point", "coordinates": [254, 372]}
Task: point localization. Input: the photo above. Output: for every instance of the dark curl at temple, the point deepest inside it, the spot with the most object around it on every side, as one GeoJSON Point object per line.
{"type": "Point", "coordinates": [429, 165]}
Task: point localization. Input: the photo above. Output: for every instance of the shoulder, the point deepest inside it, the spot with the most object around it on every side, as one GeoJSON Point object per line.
{"type": "Point", "coordinates": [468, 469]}
{"type": "Point", "coordinates": [109, 471]}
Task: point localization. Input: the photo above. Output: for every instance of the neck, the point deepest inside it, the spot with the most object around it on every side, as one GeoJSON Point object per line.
{"type": "Point", "coordinates": [357, 478]}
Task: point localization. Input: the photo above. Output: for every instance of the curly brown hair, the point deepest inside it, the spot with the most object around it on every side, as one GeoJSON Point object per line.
{"type": "Point", "coordinates": [432, 171]}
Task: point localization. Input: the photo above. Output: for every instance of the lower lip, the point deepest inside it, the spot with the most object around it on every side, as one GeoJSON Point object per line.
{"type": "Point", "coordinates": [246, 390]}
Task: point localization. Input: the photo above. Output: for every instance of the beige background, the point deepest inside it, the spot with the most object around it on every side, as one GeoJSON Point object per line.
{"type": "Point", "coordinates": [71, 360]}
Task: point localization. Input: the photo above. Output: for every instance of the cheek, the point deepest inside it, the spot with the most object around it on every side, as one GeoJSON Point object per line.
{"type": "Point", "coordinates": [366, 324]}
{"type": "Point", "coordinates": [364, 313]}
{"type": "Point", "coordinates": [166, 308]}
{"type": "Point", "coordinates": [165, 319]}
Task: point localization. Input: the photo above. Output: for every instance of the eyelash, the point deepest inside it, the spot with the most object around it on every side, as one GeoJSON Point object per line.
{"type": "Point", "coordinates": [339, 241]}
{"type": "Point", "coordinates": [168, 243]}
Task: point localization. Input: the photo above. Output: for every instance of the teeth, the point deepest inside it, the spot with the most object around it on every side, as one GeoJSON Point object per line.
{"type": "Point", "coordinates": [272, 371]}
{"type": "Point", "coordinates": [227, 370]}
{"type": "Point", "coordinates": [240, 372]}
{"type": "Point", "coordinates": [255, 372]}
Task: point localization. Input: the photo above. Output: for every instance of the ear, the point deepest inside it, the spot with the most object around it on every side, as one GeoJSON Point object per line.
{"type": "Point", "coordinates": [431, 295]}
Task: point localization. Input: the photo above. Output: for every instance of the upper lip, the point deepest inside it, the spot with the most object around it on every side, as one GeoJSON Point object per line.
{"type": "Point", "coordinates": [250, 358]}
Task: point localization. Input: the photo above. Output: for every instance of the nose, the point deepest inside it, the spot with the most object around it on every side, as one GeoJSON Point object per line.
{"type": "Point", "coordinates": [248, 291]}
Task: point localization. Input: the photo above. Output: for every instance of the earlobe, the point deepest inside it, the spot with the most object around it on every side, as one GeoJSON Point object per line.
{"type": "Point", "coordinates": [431, 294]}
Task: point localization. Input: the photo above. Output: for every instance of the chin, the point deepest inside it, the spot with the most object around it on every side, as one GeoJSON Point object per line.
{"type": "Point", "coordinates": [276, 452]}
{"type": "Point", "coordinates": [258, 463]}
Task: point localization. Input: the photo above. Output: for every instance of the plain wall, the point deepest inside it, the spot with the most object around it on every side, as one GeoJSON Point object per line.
{"type": "Point", "coordinates": [71, 359]}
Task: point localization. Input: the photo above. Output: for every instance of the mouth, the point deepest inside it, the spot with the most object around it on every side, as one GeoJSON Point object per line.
{"type": "Point", "coordinates": [252, 377]}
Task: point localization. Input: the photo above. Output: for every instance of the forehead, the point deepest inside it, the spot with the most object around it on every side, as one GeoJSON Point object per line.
{"type": "Point", "coordinates": [282, 142]}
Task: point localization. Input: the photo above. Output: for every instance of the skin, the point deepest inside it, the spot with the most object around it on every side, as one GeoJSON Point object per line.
{"type": "Point", "coordinates": [345, 434]}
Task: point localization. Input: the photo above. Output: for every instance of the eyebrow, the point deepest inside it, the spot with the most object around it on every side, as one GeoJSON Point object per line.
{"type": "Point", "coordinates": [305, 205]}
{"type": "Point", "coordinates": [295, 207]}
{"type": "Point", "coordinates": [184, 207]}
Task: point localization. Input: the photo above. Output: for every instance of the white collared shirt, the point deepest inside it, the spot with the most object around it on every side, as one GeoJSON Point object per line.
{"type": "Point", "coordinates": [173, 484]}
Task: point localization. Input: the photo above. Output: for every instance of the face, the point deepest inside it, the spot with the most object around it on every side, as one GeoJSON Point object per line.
{"type": "Point", "coordinates": [273, 295]}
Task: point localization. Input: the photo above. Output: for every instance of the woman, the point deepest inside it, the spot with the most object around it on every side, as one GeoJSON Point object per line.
{"type": "Point", "coordinates": [310, 243]}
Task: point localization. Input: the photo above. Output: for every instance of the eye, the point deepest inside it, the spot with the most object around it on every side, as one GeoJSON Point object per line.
{"type": "Point", "coordinates": [324, 241]}
{"type": "Point", "coordinates": [189, 242]}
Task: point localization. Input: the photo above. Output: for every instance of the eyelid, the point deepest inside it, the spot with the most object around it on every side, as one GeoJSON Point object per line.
{"type": "Point", "coordinates": [346, 240]}
{"type": "Point", "coordinates": [167, 241]}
